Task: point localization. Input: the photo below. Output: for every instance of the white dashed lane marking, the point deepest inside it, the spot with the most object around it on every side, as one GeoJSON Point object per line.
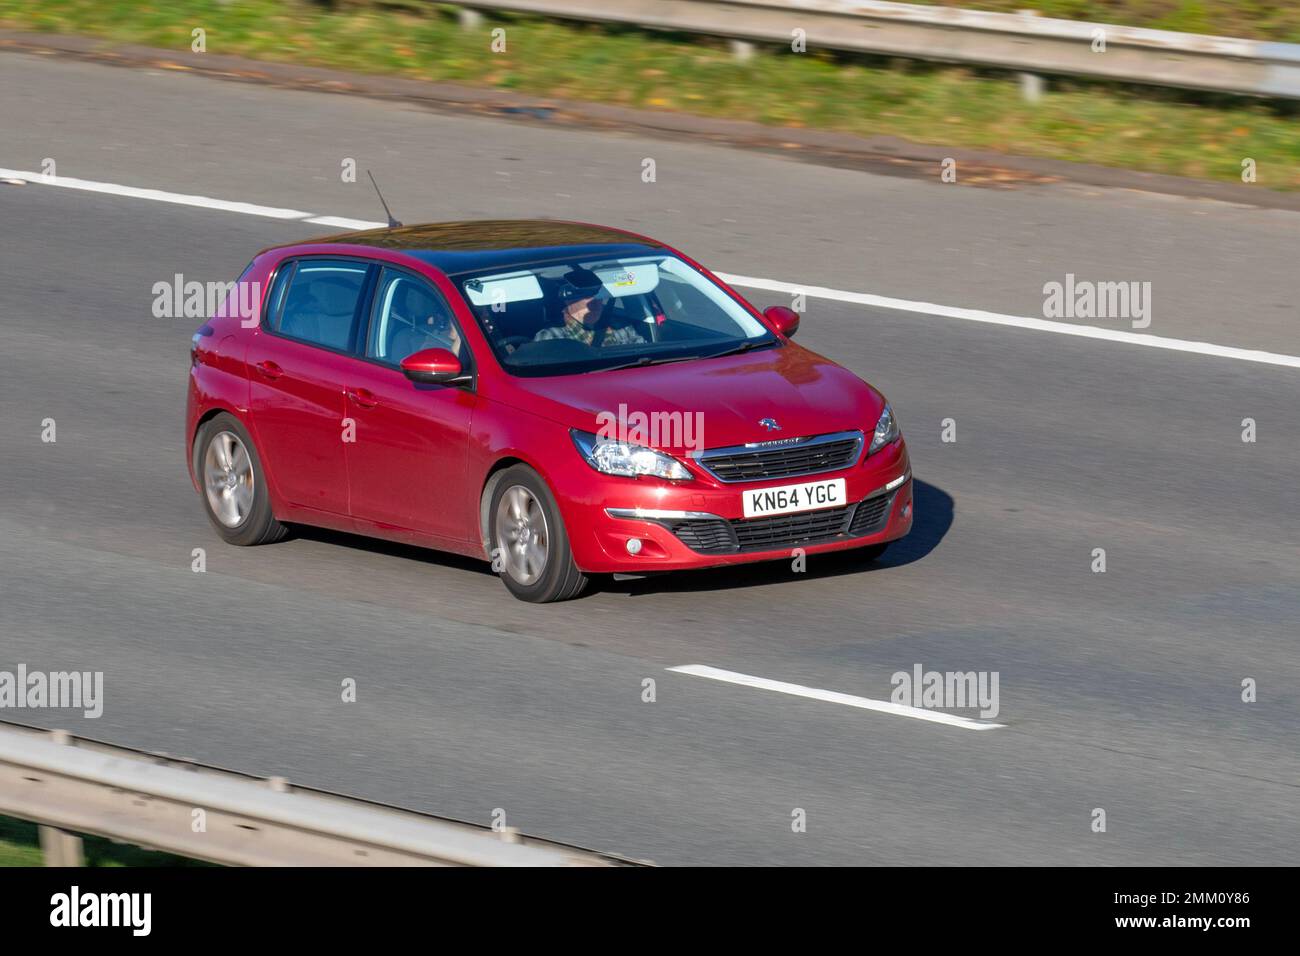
{"type": "Point", "coordinates": [834, 697]}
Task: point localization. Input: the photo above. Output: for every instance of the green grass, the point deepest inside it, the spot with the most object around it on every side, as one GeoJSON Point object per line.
{"type": "Point", "coordinates": [1199, 135]}
{"type": "Point", "coordinates": [20, 846]}
{"type": "Point", "coordinates": [1256, 19]}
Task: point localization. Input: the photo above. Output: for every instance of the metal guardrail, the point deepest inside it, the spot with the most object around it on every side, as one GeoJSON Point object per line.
{"type": "Point", "coordinates": [1030, 45]}
{"type": "Point", "coordinates": [70, 785]}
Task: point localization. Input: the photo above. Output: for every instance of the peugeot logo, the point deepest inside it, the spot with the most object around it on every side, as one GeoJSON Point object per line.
{"type": "Point", "coordinates": [770, 424]}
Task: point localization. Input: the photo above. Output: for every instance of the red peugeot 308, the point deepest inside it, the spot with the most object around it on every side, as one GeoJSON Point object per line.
{"type": "Point", "coordinates": [557, 398]}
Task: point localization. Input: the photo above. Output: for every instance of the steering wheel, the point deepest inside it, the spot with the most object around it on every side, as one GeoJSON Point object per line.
{"type": "Point", "coordinates": [513, 342]}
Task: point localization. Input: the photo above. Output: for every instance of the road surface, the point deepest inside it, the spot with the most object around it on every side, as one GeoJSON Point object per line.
{"type": "Point", "coordinates": [1119, 690]}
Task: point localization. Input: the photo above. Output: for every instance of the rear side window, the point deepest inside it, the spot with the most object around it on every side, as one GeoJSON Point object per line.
{"type": "Point", "coordinates": [321, 302]}
{"type": "Point", "coordinates": [275, 301]}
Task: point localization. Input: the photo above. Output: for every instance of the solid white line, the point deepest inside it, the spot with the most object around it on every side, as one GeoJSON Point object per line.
{"type": "Point", "coordinates": [1016, 321]}
{"type": "Point", "coordinates": [157, 195]}
{"type": "Point", "coordinates": [770, 285]}
{"type": "Point", "coordinates": [834, 697]}
{"type": "Point", "coordinates": [341, 223]}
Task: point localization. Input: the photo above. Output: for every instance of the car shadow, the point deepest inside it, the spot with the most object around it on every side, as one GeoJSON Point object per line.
{"type": "Point", "coordinates": [934, 515]}
{"type": "Point", "coordinates": [394, 549]}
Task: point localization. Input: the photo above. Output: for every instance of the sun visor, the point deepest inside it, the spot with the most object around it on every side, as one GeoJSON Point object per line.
{"type": "Point", "coordinates": [503, 289]}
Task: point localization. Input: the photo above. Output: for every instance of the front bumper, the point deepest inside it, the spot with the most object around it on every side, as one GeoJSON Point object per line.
{"type": "Point", "coordinates": [700, 524]}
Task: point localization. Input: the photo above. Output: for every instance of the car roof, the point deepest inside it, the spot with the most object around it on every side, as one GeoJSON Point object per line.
{"type": "Point", "coordinates": [457, 247]}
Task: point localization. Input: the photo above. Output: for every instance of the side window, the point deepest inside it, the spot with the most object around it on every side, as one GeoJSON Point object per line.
{"type": "Point", "coordinates": [275, 301]}
{"type": "Point", "coordinates": [322, 302]}
{"type": "Point", "coordinates": [410, 316]}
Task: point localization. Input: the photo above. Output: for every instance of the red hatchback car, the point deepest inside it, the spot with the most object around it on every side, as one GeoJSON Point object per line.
{"type": "Point", "coordinates": [560, 399]}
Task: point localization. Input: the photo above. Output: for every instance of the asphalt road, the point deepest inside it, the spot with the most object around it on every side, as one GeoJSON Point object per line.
{"type": "Point", "coordinates": [1120, 690]}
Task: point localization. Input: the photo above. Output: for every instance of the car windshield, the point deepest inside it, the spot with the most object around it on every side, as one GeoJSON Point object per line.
{"type": "Point", "coordinates": [591, 315]}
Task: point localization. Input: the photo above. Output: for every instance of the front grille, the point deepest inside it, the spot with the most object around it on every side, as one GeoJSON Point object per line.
{"type": "Point", "coordinates": [779, 531]}
{"type": "Point", "coordinates": [706, 537]}
{"type": "Point", "coordinates": [720, 536]}
{"type": "Point", "coordinates": [808, 457]}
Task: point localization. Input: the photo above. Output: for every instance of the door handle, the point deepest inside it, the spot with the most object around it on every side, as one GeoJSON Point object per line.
{"type": "Point", "coordinates": [269, 369]}
{"type": "Point", "coordinates": [362, 397]}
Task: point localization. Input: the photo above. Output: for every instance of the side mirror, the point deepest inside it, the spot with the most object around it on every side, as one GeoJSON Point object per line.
{"type": "Point", "coordinates": [432, 367]}
{"type": "Point", "coordinates": [785, 320]}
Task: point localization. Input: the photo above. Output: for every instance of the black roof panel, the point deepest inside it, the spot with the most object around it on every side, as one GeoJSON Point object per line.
{"type": "Point", "coordinates": [485, 244]}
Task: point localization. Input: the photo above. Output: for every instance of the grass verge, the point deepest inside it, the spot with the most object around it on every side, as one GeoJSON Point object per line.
{"type": "Point", "coordinates": [1181, 133]}
{"type": "Point", "coordinates": [1254, 19]}
{"type": "Point", "coordinates": [20, 845]}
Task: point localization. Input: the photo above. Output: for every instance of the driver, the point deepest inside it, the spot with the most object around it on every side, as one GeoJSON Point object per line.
{"type": "Point", "coordinates": [427, 326]}
{"type": "Point", "coordinates": [583, 298]}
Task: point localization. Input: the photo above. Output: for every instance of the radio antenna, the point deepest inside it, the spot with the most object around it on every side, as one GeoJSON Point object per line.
{"type": "Point", "coordinates": [392, 223]}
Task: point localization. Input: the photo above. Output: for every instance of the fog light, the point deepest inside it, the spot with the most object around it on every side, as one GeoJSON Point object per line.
{"type": "Point", "coordinates": [907, 509]}
{"type": "Point", "coordinates": [633, 545]}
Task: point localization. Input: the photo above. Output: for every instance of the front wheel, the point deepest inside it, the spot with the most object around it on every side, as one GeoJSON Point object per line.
{"type": "Point", "coordinates": [530, 547]}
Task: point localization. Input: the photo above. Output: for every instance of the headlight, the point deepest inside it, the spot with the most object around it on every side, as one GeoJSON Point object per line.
{"type": "Point", "coordinates": [629, 461]}
{"type": "Point", "coordinates": [886, 431]}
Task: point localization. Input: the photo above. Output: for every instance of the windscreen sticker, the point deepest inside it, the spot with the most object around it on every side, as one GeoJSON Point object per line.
{"type": "Point", "coordinates": [620, 279]}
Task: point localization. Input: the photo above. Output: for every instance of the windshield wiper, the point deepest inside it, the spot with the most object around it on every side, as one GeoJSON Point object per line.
{"type": "Point", "coordinates": [742, 347]}
{"type": "Point", "coordinates": [651, 360]}
{"type": "Point", "coordinates": [646, 360]}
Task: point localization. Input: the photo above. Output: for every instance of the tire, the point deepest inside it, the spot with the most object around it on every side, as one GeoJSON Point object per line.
{"type": "Point", "coordinates": [232, 484]}
{"type": "Point", "coordinates": [530, 547]}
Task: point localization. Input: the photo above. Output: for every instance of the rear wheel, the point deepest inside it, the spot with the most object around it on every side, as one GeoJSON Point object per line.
{"type": "Point", "coordinates": [233, 484]}
{"type": "Point", "coordinates": [530, 547]}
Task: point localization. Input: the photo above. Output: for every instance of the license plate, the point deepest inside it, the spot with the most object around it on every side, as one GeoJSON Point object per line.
{"type": "Point", "coordinates": [808, 496]}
